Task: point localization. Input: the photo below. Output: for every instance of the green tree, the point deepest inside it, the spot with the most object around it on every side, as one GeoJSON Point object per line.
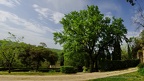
{"type": "Point", "coordinates": [87, 35]}
{"type": "Point", "coordinates": [36, 54]}
{"type": "Point", "coordinates": [50, 56]}
{"type": "Point", "coordinates": [9, 48]}
{"type": "Point", "coordinates": [81, 33]}
{"type": "Point", "coordinates": [43, 44]}
{"type": "Point", "coordinates": [118, 33]}
{"type": "Point", "coordinates": [33, 56]}
{"type": "Point", "coordinates": [24, 56]}
{"type": "Point", "coordinates": [136, 43]}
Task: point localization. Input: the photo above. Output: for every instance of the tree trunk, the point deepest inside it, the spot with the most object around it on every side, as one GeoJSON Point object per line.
{"type": "Point", "coordinates": [129, 52]}
{"type": "Point", "coordinates": [9, 66]}
{"type": "Point", "coordinates": [37, 67]}
{"type": "Point", "coordinates": [96, 65]}
{"type": "Point", "coordinates": [91, 69]}
{"type": "Point", "coordinates": [116, 55]}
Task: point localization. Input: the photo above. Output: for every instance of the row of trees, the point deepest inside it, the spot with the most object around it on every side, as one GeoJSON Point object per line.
{"type": "Point", "coordinates": [14, 53]}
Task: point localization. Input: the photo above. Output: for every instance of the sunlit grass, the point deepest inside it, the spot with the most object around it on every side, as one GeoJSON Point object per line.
{"type": "Point", "coordinates": [134, 76]}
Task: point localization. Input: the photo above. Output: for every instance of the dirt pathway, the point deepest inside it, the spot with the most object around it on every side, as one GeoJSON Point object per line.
{"type": "Point", "coordinates": [71, 77]}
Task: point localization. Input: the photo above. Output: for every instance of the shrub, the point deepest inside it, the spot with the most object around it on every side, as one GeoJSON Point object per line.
{"type": "Point", "coordinates": [49, 69]}
{"type": "Point", "coordinates": [141, 65]}
{"type": "Point", "coordinates": [52, 71]}
{"type": "Point", "coordinates": [85, 69]}
{"type": "Point", "coordinates": [68, 69]}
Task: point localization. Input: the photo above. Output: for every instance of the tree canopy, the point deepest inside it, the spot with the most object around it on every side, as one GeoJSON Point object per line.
{"type": "Point", "coordinates": [88, 34]}
{"type": "Point", "coordinates": [14, 53]}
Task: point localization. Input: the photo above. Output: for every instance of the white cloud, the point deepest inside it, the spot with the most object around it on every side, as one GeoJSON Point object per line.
{"type": "Point", "coordinates": [133, 34]}
{"type": "Point", "coordinates": [33, 32]}
{"type": "Point", "coordinates": [109, 14]}
{"type": "Point", "coordinates": [25, 24]}
{"type": "Point", "coordinates": [29, 37]}
{"type": "Point", "coordinates": [10, 3]}
{"type": "Point", "coordinates": [43, 12]}
{"type": "Point", "coordinates": [57, 16]}
{"type": "Point", "coordinates": [46, 13]}
{"type": "Point", "coordinates": [66, 6]}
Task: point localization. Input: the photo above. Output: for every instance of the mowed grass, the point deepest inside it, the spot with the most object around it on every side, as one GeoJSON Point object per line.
{"type": "Point", "coordinates": [134, 76]}
{"type": "Point", "coordinates": [30, 73]}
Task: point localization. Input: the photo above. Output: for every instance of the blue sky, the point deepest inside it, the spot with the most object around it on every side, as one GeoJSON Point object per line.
{"type": "Point", "coordinates": [37, 20]}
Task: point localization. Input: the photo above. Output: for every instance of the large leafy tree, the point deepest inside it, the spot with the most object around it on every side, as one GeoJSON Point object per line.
{"type": "Point", "coordinates": [9, 48]}
{"type": "Point", "coordinates": [25, 57]}
{"type": "Point", "coordinates": [87, 34]}
{"type": "Point", "coordinates": [81, 33]}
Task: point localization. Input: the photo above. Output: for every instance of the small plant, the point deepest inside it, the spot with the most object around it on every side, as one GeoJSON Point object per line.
{"type": "Point", "coordinates": [85, 69]}
{"type": "Point", "coordinates": [68, 69]}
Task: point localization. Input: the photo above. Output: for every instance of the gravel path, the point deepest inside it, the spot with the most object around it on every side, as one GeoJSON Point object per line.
{"type": "Point", "coordinates": [71, 77]}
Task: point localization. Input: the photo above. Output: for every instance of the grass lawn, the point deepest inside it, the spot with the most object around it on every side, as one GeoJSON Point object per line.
{"type": "Point", "coordinates": [30, 73]}
{"type": "Point", "coordinates": [134, 76]}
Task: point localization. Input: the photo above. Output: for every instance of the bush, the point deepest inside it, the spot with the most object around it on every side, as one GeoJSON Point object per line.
{"type": "Point", "coordinates": [108, 65]}
{"type": "Point", "coordinates": [68, 69]}
{"type": "Point", "coordinates": [49, 69]}
{"type": "Point", "coordinates": [85, 69]}
{"type": "Point", "coordinates": [141, 71]}
{"type": "Point", "coordinates": [141, 65]}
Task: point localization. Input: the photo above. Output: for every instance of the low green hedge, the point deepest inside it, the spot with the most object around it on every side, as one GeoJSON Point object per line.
{"type": "Point", "coordinates": [67, 69]}
{"type": "Point", "coordinates": [49, 69]}
{"type": "Point", "coordinates": [29, 69]}
{"type": "Point", "coordinates": [108, 65]}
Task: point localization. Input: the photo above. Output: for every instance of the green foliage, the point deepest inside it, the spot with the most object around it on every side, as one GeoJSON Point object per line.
{"type": "Point", "coordinates": [33, 56]}
{"type": "Point", "coordinates": [67, 69]}
{"type": "Point", "coordinates": [141, 71]}
{"type": "Point", "coordinates": [86, 34]}
{"type": "Point", "coordinates": [137, 44]}
{"type": "Point", "coordinates": [116, 65]}
{"type": "Point", "coordinates": [49, 70]}
{"type": "Point", "coordinates": [9, 49]}
{"type": "Point", "coordinates": [85, 69]}
{"type": "Point", "coordinates": [19, 54]}
{"type": "Point", "coordinates": [31, 73]}
{"type": "Point", "coordinates": [140, 65]}
{"type": "Point", "coordinates": [124, 53]}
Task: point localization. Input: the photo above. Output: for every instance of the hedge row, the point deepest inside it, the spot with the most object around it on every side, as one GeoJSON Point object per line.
{"type": "Point", "coordinates": [29, 69]}
{"type": "Point", "coordinates": [68, 69]}
{"type": "Point", "coordinates": [117, 65]}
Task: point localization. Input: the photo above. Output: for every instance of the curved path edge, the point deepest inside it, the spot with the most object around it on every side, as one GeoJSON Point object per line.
{"type": "Point", "coordinates": [71, 77]}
